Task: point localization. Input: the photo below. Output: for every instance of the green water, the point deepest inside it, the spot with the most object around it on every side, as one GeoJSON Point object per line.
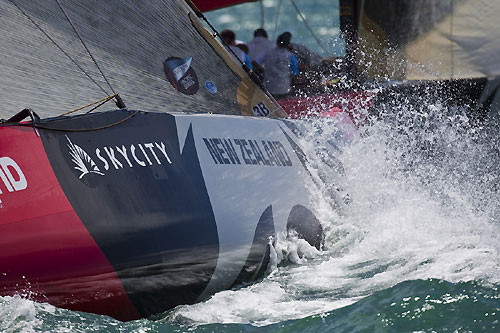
{"type": "Point", "coordinates": [322, 16]}
{"type": "Point", "coordinates": [419, 305]}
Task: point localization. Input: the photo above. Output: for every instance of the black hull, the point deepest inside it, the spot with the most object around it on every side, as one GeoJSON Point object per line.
{"type": "Point", "coordinates": [131, 213]}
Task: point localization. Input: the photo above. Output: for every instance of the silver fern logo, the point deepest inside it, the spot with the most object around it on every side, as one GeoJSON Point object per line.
{"type": "Point", "coordinates": [83, 161]}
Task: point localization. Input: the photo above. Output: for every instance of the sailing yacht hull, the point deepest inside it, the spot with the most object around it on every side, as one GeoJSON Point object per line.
{"type": "Point", "coordinates": [129, 214]}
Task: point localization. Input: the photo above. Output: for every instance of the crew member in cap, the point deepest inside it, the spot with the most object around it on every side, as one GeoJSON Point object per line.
{"type": "Point", "coordinates": [259, 44]}
{"type": "Point", "coordinates": [279, 65]}
{"type": "Point", "coordinates": [229, 39]}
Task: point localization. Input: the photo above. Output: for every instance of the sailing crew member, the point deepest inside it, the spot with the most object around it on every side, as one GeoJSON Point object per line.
{"type": "Point", "coordinates": [279, 65]}
{"type": "Point", "coordinates": [257, 47]}
{"type": "Point", "coordinates": [229, 38]}
{"type": "Point", "coordinates": [259, 44]}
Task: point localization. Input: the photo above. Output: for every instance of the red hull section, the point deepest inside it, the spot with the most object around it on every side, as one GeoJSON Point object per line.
{"type": "Point", "coordinates": [117, 219]}
{"type": "Point", "coordinates": [63, 265]}
{"type": "Point", "coordinates": [207, 5]}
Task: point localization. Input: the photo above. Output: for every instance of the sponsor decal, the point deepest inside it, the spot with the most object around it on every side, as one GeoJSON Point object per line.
{"type": "Point", "coordinates": [211, 87]}
{"type": "Point", "coordinates": [107, 159]}
{"type": "Point", "coordinates": [12, 176]}
{"type": "Point", "coordinates": [84, 163]}
{"type": "Point", "coordinates": [260, 110]}
{"type": "Point", "coordinates": [181, 75]}
{"type": "Point", "coordinates": [246, 151]}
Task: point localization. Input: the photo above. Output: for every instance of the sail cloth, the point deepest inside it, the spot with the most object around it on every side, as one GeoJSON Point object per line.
{"type": "Point", "coordinates": [139, 46]}
{"type": "Point", "coordinates": [428, 39]}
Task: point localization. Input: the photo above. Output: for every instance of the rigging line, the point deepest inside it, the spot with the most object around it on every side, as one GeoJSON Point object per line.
{"type": "Point", "coordinates": [98, 106]}
{"type": "Point", "coordinates": [255, 79]}
{"type": "Point", "coordinates": [262, 13]}
{"type": "Point", "coordinates": [57, 45]}
{"type": "Point", "coordinates": [451, 42]}
{"type": "Point", "coordinates": [277, 19]}
{"type": "Point", "coordinates": [307, 26]}
{"type": "Point", "coordinates": [38, 126]}
{"type": "Point", "coordinates": [216, 34]}
{"type": "Point", "coordinates": [84, 45]}
{"type": "Point", "coordinates": [104, 100]}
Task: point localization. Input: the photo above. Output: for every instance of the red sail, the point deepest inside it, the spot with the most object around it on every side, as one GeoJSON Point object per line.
{"type": "Point", "coordinates": [207, 5]}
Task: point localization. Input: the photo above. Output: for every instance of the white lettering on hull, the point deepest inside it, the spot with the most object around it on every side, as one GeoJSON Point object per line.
{"type": "Point", "coordinates": [118, 157]}
{"type": "Point", "coordinates": [11, 175]}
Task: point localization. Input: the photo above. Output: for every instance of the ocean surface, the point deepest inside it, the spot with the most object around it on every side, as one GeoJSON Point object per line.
{"type": "Point", "coordinates": [315, 24]}
{"type": "Point", "coordinates": [416, 249]}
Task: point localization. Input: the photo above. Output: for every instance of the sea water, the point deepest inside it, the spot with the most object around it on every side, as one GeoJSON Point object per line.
{"type": "Point", "coordinates": [415, 247]}
{"type": "Point", "coordinates": [316, 24]}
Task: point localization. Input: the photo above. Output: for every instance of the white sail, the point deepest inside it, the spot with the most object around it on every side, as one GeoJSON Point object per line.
{"type": "Point", "coordinates": [45, 65]}
{"type": "Point", "coordinates": [429, 39]}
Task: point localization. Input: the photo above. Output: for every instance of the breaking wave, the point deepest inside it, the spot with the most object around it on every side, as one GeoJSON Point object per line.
{"type": "Point", "coordinates": [410, 208]}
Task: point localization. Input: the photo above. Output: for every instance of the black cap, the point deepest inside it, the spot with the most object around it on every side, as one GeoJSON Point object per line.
{"type": "Point", "coordinates": [228, 36]}
{"type": "Point", "coordinates": [284, 39]}
{"type": "Point", "coordinates": [261, 32]}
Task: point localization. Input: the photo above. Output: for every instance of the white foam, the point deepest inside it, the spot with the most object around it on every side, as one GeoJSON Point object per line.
{"type": "Point", "coordinates": [17, 315]}
{"type": "Point", "coordinates": [405, 221]}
